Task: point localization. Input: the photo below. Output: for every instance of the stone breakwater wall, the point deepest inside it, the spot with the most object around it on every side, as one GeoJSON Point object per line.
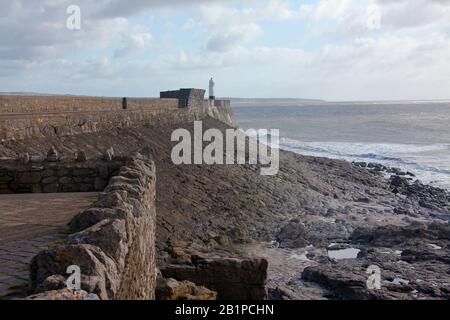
{"type": "Point", "coordinates": [66, 123]}
{"type": "Point", "coordinates": [115, 243]}
{"type": "Point", "coordinates": [52, 104]}
{"type": "Point", "coordinates": [187, 98]}
{"type": "Point", "coordinates": [222, 111]}
{"type": "Point", "coordinates": [60, 176]}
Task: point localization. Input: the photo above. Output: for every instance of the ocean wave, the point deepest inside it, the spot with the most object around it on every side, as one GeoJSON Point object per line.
{"type": "Point", "coordinates": [430, 163]}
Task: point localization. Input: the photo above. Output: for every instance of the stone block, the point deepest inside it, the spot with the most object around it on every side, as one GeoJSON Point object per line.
{"type": "Point", "coordinates": [71, 187]}
{"type": "Point", "coordinates": [237, 279]}
{"type": "Point", "coordinates": [63, 172]}
{"type": "Point", "coordinates": [100, 184]}
{"type": "Point", "coordinates": [171, 289]}
{"type": "Point", "coordinates": [52, 155]}
{"type": "Point", "coordinates": [65, 180]}
{"type": "Point", "coordinates": [79, 172]}
{"type": "Point", "coordinates": [36, 188]}
{"type": "Point", "coordinates": [48, 173]}
{"type": "Point", "coordinates": [28, 177]}
{"type": "Point", "coordinates": [86, 187]}
{"type": "Point", "coordinates": [81, 156]}
{"type": "Point", "coordinates": [51, 188]}
{"type": "Point", "coordinates": [49, 180]}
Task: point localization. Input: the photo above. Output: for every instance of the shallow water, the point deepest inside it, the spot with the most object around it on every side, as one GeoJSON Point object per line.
{"type": "Point", "coordinates": [350, 253]}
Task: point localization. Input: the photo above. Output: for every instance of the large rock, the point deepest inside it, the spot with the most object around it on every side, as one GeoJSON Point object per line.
{"type": "Point", "coordinates": [99, 273]}
{"type": "Point", "coordinates": [389, 236]}
{"type": "Point", "coordinates": [63, 294]}
{"type": "Point", "coordinates": [171, 289]}
{"type": "Point", "coordinates": [237, 279]}
{"type": "Point", "coordinates": [293, 235]}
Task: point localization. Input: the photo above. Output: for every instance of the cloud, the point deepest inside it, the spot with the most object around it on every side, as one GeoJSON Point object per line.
{"type": "Point", "coordinates": [227, 28]}
{"type": "Point", "coordinates": [37, 30]}
{"type": "Point", "coordinates": [133, 42]}
{"type": "Point", "coordinates": [227, 39]}
{"type": "Point", "coordinates": [120, 8]}
{"type": "Point", "coordinates": [333, 49]}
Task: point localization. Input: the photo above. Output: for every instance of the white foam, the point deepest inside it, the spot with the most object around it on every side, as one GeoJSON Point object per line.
{"type": "Point", "coordinates": [429, 162]}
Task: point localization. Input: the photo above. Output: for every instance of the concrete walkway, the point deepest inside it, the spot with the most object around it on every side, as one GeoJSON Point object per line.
{"type": "Point", "coordinates": [30, 223]}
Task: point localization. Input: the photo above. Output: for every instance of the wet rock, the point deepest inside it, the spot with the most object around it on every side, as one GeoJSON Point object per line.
{"type": "Point", "coordinates": [360, 164]}
{"type": "Point", "coordinates": [389, 236]}
{"type": "Point", "coordinates": [413, 255]}
{"type": "Point", "coordinates": [397, 181]}
{"type": "Point", "coordinates": [293, 235]}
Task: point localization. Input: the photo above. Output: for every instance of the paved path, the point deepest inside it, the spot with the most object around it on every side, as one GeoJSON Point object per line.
{"type": "Point", "coordinates": [28, 224]}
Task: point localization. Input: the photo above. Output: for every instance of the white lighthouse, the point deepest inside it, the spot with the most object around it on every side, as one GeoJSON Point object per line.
{"type": "Point", "coordinates": [212, 87]}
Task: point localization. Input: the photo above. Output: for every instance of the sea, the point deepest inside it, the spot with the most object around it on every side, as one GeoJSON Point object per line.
{"type": "Point", "coordinates": [411, 135]}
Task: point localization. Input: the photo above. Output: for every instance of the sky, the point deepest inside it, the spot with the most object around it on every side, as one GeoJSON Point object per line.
{"type": "Point", "coordinates": [321, 49]}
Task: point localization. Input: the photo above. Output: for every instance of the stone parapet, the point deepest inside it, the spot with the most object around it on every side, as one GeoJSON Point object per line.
{"type": "Point", "coordinates": [59, 176]}
{"type": "Point", "coordinates": [115, 243]}
{"type": "Point", "coordinates": [51, 104]}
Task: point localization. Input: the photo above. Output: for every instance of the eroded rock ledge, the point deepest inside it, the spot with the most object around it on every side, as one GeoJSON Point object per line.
{"type": "Point", "coordinates": [232, 278]}
{"type": "Point", "coordinates": [114, 245]}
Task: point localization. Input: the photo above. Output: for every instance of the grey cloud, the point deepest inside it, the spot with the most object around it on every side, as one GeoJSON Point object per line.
{"type": "Point", "coordinates": [120, 8]}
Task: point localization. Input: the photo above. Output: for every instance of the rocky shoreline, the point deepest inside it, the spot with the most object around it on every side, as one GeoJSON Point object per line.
{"type": "Point", "coordinates": [412, 253]}
{"type": "Point", "coordinates": [380, 216]}
{"type": "Point", "coordinates": [304, 220]}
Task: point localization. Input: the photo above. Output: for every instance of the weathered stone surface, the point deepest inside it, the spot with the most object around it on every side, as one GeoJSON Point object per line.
{"type": "Point", "coordinates": [48, 173]}
{"type": "Point", "coordinates": [81, 156]}
{"type": "Point", "coordinates": [63, 294]}
{"type": "Point", "coordinates": [99, 272]}
{"type": "Point", "coordinates": [115, 248]}
{"type": "Point", "coordinates": [171, 289]}
{"type": "Point", "coordinates": [64, 122]}
{"type": "Point", "coordinates": [54, 282]}
{"type": "Point", "coordinates": [52, 155]}
{"type": "Point", "coordinates": [389, 236]}
{"type": "Point", "coordinates": [49, 180]}
{"type": "Point", "coordinates": [37, 159]}
{"type": "Point", "coordinates": [109, 154]}
{"type": "Point", "coordinates": [60, 176]}
{"type": "Point", "coordinates": [100, 184]}
{"type": "Point", "coordinates": [29, 177]}
{"type": "Point", "coordinates": [65, 180]}
{"type": "Point", "coordinates": [51, 188]}
{"type": "Point", "coordinates": [293, 235]}
{"type": "Point", "coordinates": [24, 158]}
{"type": "Point", "coordinates": [239, 279]}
